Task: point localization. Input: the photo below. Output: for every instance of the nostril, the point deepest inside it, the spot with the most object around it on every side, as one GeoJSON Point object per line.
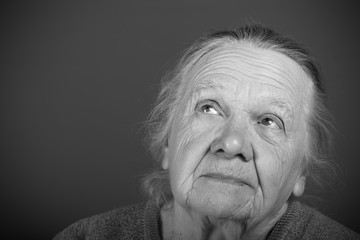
{"type": "Point", "coordinates": [220, 150]}
{"type": "Point", "coordinates": [241, 156]}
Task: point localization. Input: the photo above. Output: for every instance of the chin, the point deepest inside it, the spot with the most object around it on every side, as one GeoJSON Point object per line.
{"type": "Point", "coordinates": [221, 202]}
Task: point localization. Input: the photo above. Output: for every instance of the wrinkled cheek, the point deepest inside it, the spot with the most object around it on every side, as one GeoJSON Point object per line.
{"type": "Point", "coordinates": [185, 161]}
{"type": "Point", "coordinates": [272, 170]}
{"type": "Point", "coordinates": [191, 140]}
{"type": "Point", "coordinates": [181, 175]}
{"type": "Point", "coordinates": [271, 179]}
{"type": "Point", "coordinates": [278, 174]}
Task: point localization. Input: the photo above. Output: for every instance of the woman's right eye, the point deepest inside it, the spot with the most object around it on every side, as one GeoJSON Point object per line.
{"type": "Point", "coordinates": [208, 109]}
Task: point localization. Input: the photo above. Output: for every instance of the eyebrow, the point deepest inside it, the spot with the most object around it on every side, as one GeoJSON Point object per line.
{"type": "Point", "coordinates": [207, 85]}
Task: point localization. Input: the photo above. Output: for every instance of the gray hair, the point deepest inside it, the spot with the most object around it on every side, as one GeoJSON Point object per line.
{"type": "Point", "coordinates": [156, 184]}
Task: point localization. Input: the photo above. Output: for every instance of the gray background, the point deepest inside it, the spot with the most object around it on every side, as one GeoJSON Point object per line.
{"type": "Point", "coordinates": [78, 78]}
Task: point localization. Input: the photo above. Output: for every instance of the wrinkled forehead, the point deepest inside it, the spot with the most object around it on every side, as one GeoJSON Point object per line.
{"type": "Point", "coordinates": [246, 64]}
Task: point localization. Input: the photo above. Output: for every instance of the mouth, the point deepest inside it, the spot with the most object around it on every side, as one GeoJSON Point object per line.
{"type": "Point", "coordinates": [226, 179]}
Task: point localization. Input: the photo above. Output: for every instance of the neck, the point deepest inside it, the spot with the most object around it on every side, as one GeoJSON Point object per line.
{"type": "Point", "coordinates": [179, 223]}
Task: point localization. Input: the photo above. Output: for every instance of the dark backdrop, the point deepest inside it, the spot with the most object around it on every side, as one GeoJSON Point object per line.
{"type": "Point", "coordinates": [78, 79]}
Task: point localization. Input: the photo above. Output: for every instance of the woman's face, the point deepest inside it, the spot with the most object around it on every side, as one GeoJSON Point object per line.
{"type": "Point", "coordinates": [238, 141]}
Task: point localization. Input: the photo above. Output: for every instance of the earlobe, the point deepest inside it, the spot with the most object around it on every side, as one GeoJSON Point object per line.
{"type": "Point", "coordinates": [165, 160]}
{"type": "Point", "coordinates": [299, 186]}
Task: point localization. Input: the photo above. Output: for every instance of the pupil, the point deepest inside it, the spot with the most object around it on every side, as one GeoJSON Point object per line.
{"type": "Point", "coordinates": [207, 108]}
{"type": "Point", "coordinates": [267, 121]}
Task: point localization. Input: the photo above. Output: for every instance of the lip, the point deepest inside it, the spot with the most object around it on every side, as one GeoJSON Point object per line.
{"type": "Point", "coordinates": [226, 179]}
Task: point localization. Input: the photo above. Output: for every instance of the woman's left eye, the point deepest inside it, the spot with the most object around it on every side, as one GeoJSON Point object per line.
{"type": "Point", "coordinates": [272, 122]}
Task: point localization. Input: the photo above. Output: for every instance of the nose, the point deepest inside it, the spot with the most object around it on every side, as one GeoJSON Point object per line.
{"type": "Point", "coordinates": [233, 143]}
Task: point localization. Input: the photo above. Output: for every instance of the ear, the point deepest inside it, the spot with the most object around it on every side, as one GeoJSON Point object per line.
{"type": "Point", "coordinates": [165, 160]}
{"type": "Point", "coordinates": [299, 186]}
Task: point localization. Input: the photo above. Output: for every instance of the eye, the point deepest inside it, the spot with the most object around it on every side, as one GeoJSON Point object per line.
{"type": "Point", "coordinates": [210, 107]}
{"type": "Point", "coordinates": [271, 121]}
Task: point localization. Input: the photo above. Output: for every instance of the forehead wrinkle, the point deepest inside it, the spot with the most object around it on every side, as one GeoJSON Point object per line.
{"type": "Point", "coordinates": [241, 50]}
{"type": "Point", "coordinates": [247, 55]}
{"type": "Point", "coordinates": [208, 82]}
{"type": "Point", "coordinates": [270, 70]}
{"type": "Point", "coordinates": [211, 64]}
{"type": "Point", "coordinates": [264, 63]}
{"type": "Point", "coordinates": [246, 51]}
{"type": "Point", "coordinates": [215, 65]}
{"type": "Point", "coordinates": [276, 70]}
{"type": "Point", "coordinates": [228, 71]}
{"type": "Point", "coordinates": [282, 87]}
{"type": "Point", "coordinates": [224, 57]}
{"type": "Point", "coordinates": [256, 64]}
{"type": "Point", "coordinates": [206, 75]}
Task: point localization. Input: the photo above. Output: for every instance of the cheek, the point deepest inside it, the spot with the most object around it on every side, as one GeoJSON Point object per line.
{"type": "Point", "coordinates": [275, 166]}
{"type": "Point", "coordinates": [187, 147]}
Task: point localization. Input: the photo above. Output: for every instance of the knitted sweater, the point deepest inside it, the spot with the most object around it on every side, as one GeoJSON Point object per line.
{"type": "Point", "coordinates": [141, 221]}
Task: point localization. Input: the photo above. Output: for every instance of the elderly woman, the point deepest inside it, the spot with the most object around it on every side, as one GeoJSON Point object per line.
{"type": "Point", "coordinates": [237, 130]}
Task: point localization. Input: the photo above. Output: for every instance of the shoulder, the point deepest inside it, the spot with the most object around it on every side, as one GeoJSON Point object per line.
{"type": "Point", "coordinates": [303, 222]}
{"type": "Point", "coordinates": [123, 223]}
{"type": "Point", "coordinates": [325, 227]}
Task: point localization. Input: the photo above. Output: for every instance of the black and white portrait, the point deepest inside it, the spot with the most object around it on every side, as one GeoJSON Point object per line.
{"type": "Point", "coordinates": [179, 120]}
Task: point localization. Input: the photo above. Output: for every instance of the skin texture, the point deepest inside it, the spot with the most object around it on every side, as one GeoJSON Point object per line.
{"type": "Point", "coordinates": [236, 148]}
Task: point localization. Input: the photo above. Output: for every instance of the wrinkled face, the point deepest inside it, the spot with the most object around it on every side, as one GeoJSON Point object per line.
{"type": "Point", "coordinates": [238, 141]}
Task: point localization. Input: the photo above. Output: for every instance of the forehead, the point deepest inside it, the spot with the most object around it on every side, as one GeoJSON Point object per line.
{"type": "Point", "coordinates": [252, 67]}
